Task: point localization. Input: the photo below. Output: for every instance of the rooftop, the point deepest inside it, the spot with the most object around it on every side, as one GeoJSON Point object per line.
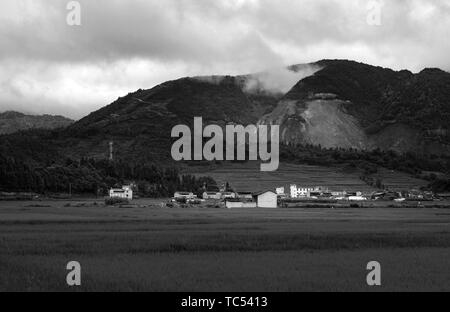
{"type": "Point", "coordinates": [263, 192]}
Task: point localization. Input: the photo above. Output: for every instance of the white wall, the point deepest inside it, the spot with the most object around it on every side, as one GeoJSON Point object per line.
{"type": "Point", "coordinates": [126, 194]}
{"type": "Point", "coordinates": [267, 200]}
{"type": "Point", "coordinates": [230, 205]}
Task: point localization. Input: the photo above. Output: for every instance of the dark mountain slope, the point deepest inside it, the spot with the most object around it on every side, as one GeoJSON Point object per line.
{"type": "Point", "coordinates": [140, 123]}
{"type": "Point", "coordinates": [11, 122]}
{"type": "Point", "coordinates": [365, 85]}
{"type": "Point", "coordinates": [423, 103]}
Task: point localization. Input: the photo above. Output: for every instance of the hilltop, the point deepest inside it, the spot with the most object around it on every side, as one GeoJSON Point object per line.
{"type": "Point", "coordinates": [354, 105]}
{"type": "Point", "coordinates": [11, 122]}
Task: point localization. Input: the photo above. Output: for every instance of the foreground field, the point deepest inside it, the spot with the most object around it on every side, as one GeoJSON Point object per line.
{"type": "Point", "coordinates": [155, 249]}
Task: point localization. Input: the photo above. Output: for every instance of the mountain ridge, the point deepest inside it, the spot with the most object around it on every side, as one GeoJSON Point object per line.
{"type": "Point", "coordinates": [338, 113]}
{"type": "Point", "coordinates": [12, 121]}
{"type": "Point", "coordinates": [377, 98]}
{"type": "Point", "coordinates": [335, 104]}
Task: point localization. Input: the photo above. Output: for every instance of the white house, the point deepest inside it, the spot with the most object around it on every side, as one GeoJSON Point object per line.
{"type": "Point", "coordinates": [301, 192]}
{"type": "Point", "coordinates": [187, 195]}
{"type": "Point", "coordinates": [293, 191]}
{"type": "Point", "coordinates": [226, 195]}
{"type": "Point", "coordinates": [212, 195]}
{"type": "Point", "coordinates": [339, 194]}
{"type": "Point", "coordinates": [357, 198]}
{"type": "Point", "coordinates": [266, 199]}
{"type": "Point", "coordinates": [125, 192]}
{"type": "Point", "coordinates": [297, 192]}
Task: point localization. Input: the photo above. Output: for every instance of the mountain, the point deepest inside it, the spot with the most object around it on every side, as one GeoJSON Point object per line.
{"type": "Point", "coordinates": [140, 123]}
{"type": "Point", "coordinates": [339, 104]}
{"type": "Point", "coordinates": [353, 105]}
{"type": "Point", "coordinates": [331, 103]}
{"type": "Point", "coordinates": [11, 122]}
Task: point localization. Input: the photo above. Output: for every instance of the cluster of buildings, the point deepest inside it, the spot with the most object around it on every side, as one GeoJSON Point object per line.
{"type": "Point", "coordinates": [317, 192]}
{"type": "Point", "coordinates": [404, 195]}
{"type": "Point", "coordinates": [264, 199]}
{"type": "Point", "coordinates": [270, 198]}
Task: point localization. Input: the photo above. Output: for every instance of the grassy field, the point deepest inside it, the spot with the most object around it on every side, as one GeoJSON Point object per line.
{"type": "Point", "coordinates": [248, 177]}
{"type": "Point", "coordinates": [149, 248]}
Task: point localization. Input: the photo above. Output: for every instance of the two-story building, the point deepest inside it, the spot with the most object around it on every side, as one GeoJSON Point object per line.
{"type": "Point", "coordinates": [125, 192]}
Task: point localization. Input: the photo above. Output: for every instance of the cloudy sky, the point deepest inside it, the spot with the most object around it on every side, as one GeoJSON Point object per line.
{"type": "Point", "coordinates": [47, 66]}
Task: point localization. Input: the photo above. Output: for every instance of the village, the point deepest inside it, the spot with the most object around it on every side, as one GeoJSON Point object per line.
{"type": "Point", "coordinates": [292, 196]}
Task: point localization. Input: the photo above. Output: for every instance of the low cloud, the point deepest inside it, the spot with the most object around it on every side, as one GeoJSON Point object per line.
{"type": "Point", "coordinates": [279, 80]}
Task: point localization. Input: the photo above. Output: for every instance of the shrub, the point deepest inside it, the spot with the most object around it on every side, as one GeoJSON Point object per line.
{"type": "Point", "coordinates": [115, 201]}
{"type": "Point", "coordinates": [181, 200]}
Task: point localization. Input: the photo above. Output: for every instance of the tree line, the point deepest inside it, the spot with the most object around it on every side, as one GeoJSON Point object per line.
{"type": "Point", "coordinates": [90, 176]}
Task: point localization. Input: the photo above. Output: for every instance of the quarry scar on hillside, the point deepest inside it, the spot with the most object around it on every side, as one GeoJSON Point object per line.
{"type": "Point", "coordinates": [214, 150]}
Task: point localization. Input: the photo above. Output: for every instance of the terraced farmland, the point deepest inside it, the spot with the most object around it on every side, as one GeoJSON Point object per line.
{"type": "Point", "coordinates": [248, 177]}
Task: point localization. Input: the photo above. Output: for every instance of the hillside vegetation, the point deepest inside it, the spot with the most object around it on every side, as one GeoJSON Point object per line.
{"type": "Point", "coordinates": [11, 122]}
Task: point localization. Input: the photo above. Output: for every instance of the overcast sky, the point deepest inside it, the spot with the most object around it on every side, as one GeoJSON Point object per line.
{"type": "Point", "coordinates": [47, 66]}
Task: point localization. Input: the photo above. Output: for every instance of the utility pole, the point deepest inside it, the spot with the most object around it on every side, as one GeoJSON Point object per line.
{"type": "Point", "coordinates": [111, 146]}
